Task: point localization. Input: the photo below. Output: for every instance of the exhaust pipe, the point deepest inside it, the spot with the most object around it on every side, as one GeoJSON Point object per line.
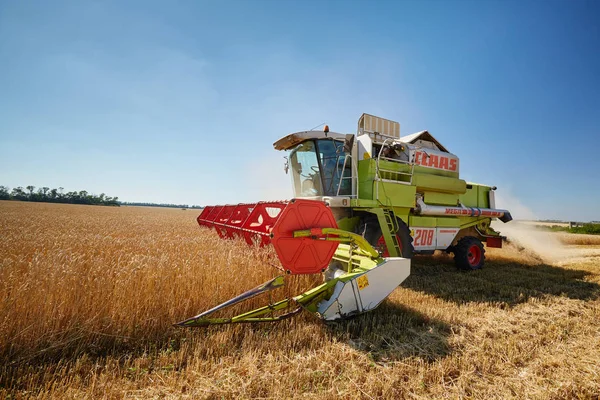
{"type": "Point", "coordinates": [426, 209]}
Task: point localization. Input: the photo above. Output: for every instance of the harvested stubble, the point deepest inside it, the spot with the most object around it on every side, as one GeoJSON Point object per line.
{"type": "Point", "coordinates": [89, 294]}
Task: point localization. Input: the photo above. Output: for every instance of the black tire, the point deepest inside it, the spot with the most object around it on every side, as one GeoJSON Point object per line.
{"type": "Point", "coordinates": [369, 228]}
{"type": "Point", "coordinates": [469, 253]}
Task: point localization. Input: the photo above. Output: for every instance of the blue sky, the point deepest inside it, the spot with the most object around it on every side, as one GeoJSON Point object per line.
{"type": "Point", "coordinates": [181, 101]}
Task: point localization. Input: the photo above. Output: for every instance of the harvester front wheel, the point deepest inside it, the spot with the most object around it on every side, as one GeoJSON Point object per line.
{"type": "Point", "coordinates": [369, 228]}
{"type": "Point", "coordinates": [469, 253]}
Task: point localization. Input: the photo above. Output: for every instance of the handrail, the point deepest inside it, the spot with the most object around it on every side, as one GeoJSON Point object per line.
{"type": "Point", "coordinates": [378, 169]}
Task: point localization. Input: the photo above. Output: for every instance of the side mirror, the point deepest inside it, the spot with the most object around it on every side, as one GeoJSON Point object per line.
{"type": "Point", "coordinates": [348, 144]}
{"type": "Point", "coordinates": [286, 165]}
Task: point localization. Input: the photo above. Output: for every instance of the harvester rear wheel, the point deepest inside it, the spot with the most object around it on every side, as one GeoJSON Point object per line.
{"type": "Point", "coordinates": [369, 228]}
{"type": "Point", "coordinates": [469, 253]}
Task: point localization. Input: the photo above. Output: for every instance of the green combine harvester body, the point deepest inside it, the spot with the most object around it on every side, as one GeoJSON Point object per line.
{"type": "Point", "coordinates": [363, 205]}
{"type": "Point", "coordinates": [407, 188]}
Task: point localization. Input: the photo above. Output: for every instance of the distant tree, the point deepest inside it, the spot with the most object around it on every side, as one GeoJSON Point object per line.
{"type": "Point", "coordinates": [72, 197]}
{"type": "Point", "coordinates": [83, 197]}
{"type": "Point", "coordinates": [39, 196]}
{"type": "Point", "coordinates": [31, 189]}
{"type": "Point", "coordinates": [168, 205]}
{"type": "Point", "coordinates": [18, 193]}
{"type": "Point", "coordinates": [4, 193]}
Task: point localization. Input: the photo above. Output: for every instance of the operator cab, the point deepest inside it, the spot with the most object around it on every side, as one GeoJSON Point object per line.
{"type": "Point", "coordinates": [319, 164]}
{"type": "Point", "coordinates": [319, 168]}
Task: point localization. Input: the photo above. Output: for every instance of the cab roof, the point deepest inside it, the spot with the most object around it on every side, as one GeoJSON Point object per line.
{"type": "Point", "coordinates": [291, 140]}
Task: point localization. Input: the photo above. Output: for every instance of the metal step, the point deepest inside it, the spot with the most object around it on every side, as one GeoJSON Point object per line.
{"type": "Point", "coordinates": [392, 225]}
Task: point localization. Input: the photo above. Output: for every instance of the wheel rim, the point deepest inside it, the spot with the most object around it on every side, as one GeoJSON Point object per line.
{"type": "Point", "coordinates": [474, 255]}
{"type": "Point", "coordinates": [382, 247]}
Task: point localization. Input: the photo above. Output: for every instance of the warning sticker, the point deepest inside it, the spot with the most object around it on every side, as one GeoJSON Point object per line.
{"type": "Point", "coordinates": [362, 281]}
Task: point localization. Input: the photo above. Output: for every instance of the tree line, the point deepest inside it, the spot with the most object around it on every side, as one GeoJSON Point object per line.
{"type": "Point", "coordinates": [47, 195]}
{"type": "Point", "coordinates": [169, 205]}
{"type": "Point", "coordinates": [592, 228]}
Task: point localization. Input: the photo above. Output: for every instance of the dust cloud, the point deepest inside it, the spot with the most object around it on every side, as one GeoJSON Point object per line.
{"type": "Point", "coordinates": [526, 236]}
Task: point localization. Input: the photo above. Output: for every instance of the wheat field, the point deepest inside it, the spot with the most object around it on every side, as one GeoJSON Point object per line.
{"type": "Point", "coordinates": [89, 295]}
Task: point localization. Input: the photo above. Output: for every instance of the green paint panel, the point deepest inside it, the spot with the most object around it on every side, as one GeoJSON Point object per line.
{"type": "Point", "coordinates": [477, 196]}
{"type": "Point", "coordinates": [448, 222]}
{"type": "Point", "coordinates": [433, 222]}
{"type": "Point", "coordinates": [469, 199]}
{"type": "Point", "coordinates": [388, 193]}
{"type": "Point", "coordinates": [466, 222]}
{"type": "Point", "coordinates": [447, 199]}
{"type": "Point", "coordinates": [482, 196]}
{"type": "Point", "coordinates": [348, 224]}
{"type": "Point", "coordinates": [363, 203]}
{"type": "Point", "coordinates": [396, 194]}
{"type": "Point", "coordinates": [433, 171]}
{"type": "Point", "coordinates": [387, 166]}
{"type": "Point", "coordinates": [435, 183]}
{"type": "Point", "coordinates": [429, 222]}
{"type": "Point", "coordinates": [366, 176]}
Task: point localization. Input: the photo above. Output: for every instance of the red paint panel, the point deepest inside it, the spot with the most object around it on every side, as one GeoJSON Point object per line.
{"type": "Point", "coordinates": [236, 220]}
{"type": "Point", "coordinates": [494, 242]}
{"type": "Point", "coordinates": [203, 215]}
{"type": "Point", "coordinates": [304, 255]}
{"type": "Point", "coordinates": [257, 227]}
{"type": "Point", "coordinates": [221, 220]}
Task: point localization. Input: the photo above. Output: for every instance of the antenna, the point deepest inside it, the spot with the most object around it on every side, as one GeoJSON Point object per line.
{"type": "Point", "coordinates": [321, 124]}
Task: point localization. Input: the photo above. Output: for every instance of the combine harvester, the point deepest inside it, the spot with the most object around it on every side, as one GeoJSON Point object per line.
{"type": "Point", "coordinates": [364, 204]}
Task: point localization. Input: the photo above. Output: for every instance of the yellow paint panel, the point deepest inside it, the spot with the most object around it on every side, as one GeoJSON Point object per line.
{"type": "Point", "coordinates": [362, 282]}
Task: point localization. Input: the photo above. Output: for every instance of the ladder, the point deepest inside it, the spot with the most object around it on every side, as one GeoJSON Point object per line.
{"type": "Point", "coordinates": [389, 228]}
